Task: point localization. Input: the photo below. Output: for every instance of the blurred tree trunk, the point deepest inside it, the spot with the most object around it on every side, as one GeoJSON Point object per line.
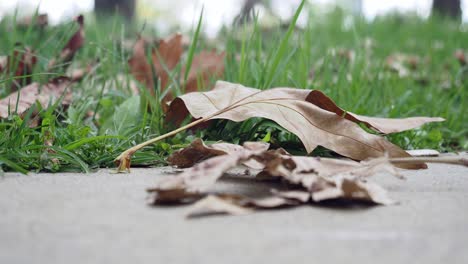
{"type": "Point", "coordinates": [354, 6]}
{"type": "Point", "coordinates": [125, 8]}
{"type": "Point", "coordinates": [448, 8]}
{"type": "Point", "coordinates": [246, 11]}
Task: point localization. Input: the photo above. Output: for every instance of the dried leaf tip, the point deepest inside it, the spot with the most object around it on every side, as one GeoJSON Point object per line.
{"type": "Point", "coordinates": [80, 20]}
{"type": "Point", "coordinates": [123, 162]}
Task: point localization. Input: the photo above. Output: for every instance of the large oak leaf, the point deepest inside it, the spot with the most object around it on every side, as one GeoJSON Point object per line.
{"type": "Point", "coordinates": [288, 107]}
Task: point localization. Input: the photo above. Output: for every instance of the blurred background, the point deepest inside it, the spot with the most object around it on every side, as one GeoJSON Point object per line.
{"type": "Point", "coordinates": [165, 15]}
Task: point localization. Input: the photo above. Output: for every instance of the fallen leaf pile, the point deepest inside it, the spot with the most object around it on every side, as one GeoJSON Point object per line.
{"type": "Point", "coordinates": [308, 114]}
{"type": "Point", "coordinates": [300, 179]}
{"type": "Point", "coordinates": [205, 65]}
{"type": "Point", "coordinates": [314, 118]}
{"type": "Point", "coordinates": [403, 64]}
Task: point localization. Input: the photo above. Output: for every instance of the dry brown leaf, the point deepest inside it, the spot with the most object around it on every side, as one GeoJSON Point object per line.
{"type": "Point", "coordinates": [139, 67]}
{"type": "Point", "coordinates": [298, 195]}
{"type": "Point", "coordinates": [160, 196]}
{"type": "Point", "coordinates": [72, 46]}
{"type": "Point", "coordinates": [352, 189]}
{"type": "Point", "coordinates": [200, 177]}
{"type": "Point", "coordinates": [460, 56]}
{"type": "Point", "coordinates": [47, 94]}
{"type": "Point", "coordinates": [194, 153]}
{"type": "Point", "coordinates": [215, 204]}
{"type": "Point", "coordinates": [382, 125]}
{"type": "Point", "coordinates": [293, 168]}
{"type": "Point", "coordinates": [198, 151]}
{"type": "Point", "coordinates": [364, 191]}
{"type": "Point", "coordinates": [41, 20]}
{"type": "Point", "coordinates": [168, 54]}
{"type": "Point", "coordinates": [327, 179]}
{"type": "Point", "coordinates": [237, 204]}
{"type": "Point", "coordinates": [164, 58]}
{"type": "Point", "coordinates": [402, 63]}
{"type": "Point", "coordinates": [288, 107]}
{"type": "Point", "coordinates": [205, 65]}
{"type": "Point", "coordinates": [75, 42]}
{"type": "Point", "coordinates": [3, 63]}
{"type": "Point", "coordinates": [21, 63]}
{"type": "Point", "coordinates": [271, 202]}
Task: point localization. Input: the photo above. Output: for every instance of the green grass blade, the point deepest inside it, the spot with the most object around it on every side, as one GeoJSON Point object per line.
{"type": "Point", "coordinates": [193, 47]}
{"type": "Point", "coordinates": [282, 49]}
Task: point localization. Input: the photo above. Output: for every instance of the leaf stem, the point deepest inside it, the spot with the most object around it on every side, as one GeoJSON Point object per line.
{"type": "Point", "coordinates": [124, 159]}
{"type": "Point", "coordinates": [456, 160]}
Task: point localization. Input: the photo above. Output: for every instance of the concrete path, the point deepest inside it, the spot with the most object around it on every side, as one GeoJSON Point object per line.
{"type": "Point", "coordinates": [103, 218]}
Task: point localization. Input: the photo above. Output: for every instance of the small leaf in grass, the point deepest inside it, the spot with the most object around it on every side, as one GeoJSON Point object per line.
{"type": "Point", "coordinates": [48, 94]}
{"type": "Point", "coordinates": [402, 64]}
{"type": "Point", "coordinates": [71, 47]}
{"type": "Point", "coordinates": [19, 65]}
{"type": "Point", "coordinates": [3, 63]}
{"type": "Point", "coordinates": [205, 66]}
{"type": "Point", "coordinates": [39, 20]}
{"type": "Point", "coordinates": [163, 58]}
{"type": "Point", "coordinates": [460, 56]}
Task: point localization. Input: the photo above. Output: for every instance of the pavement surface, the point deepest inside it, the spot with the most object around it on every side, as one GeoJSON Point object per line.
{"type": "Point", "coordinates": [104, 218]}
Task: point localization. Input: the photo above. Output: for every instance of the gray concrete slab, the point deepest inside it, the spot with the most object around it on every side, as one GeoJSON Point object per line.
{"type": "Point", "coordinates": [103, 218]}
